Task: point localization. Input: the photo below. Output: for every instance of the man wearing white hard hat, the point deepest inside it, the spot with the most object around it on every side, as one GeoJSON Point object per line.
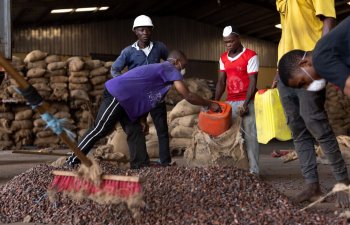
{"type": "Point", "coordinates": [238, 73]}
{"type": "Point", "coordinates": [144, 52]}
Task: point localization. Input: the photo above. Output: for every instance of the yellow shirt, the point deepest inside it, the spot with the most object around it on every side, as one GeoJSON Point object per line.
{"type": "Point", "coordinates": [301, 26]}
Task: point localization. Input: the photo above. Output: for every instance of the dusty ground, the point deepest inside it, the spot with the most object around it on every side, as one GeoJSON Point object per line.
{"type": "Point", "coordinates": [284, 176]}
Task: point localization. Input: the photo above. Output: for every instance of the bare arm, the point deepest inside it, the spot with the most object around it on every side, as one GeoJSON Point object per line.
{"type": "Point", "coordinates": [275, 80]}
{"type": "Point", "coordinates": [328, 24]}
{"type": "Point", "coordinates": [220, 86]}
{"type": "Point", "coordinates": [251, 89]}
{"type": "Point", "coordinates": [193, 98]}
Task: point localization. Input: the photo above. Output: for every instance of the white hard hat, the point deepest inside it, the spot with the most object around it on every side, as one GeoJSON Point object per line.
{"type": "Point", "coordinates": [142, 21]}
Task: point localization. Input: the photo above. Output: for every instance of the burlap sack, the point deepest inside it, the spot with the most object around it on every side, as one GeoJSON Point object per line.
{"type": "Point", "coordinates": [188, 121]}
{"type": "Point", "coordinates": [108, 64]}
{"type": "Point", "coordinates": [45, 133]}
{"type": "Point", "coordinates": [47, 141]}
{"type": "Point", "coordinates": [52, 58]}
{"type": "Point", "coordinates": [99, 86]}
{"type": "Point", "coordinates": [5, 136]}
{"type": "Point", "coordinates": [78, 80]}
{"type": "Point", "coordinates": [153, 148]}
{"type": "Point", "coordinates": [118, 140]}
{"type": "Point", "coordinates": [59, 107]}
{"type": "Point", "coordinates": [98, 72]}
{"type": "Point", "coordinates": [61, 72]}
{"type": "Point", "coordinates": [5, 127]}
{"type": "Point", "coordinates": [44, 94]}
{"type": "Point", "coordinates": [42, 87]}
{"type": "Point", "coordinates": [36, 72]}
{"type": "Point", "coordinates": [24, 115]}
{"type": "Point", "coordinates": [38, 64]}
{"type": "Point", "coordinates": [62, 114]}
{"type": "Point", "coordinates": [82, 132]}
{"type": "Point", "coordinates": [58, 85]}
{"type": "Point", "coordinates": [183, 108]}
{"type": "Point", "coordinates": [7, 115]}
{"type": "Point", "coordinates": [59, 79]}
{"type": "Point", "coordinates": [106, 152]}
{"type": "Point", "coordinates": [179, 145]}
{"type": "Point", "coordinates": [38, 129]}
{"type": "Point", "coordinates": [182, 132]}
{"type": "Point", "coordinates": [85, 86]}
{"type": "Point", "coordinates": [39, 123]}
{"type": "Point", "coordinates": [23, 134]}
{"type": "Point", "coordinates": [98, 80]}
{"type": "Point", "coordinates": [35, 56]}
{"type": "Point", "coordinates": [38, 80]}
{"type": "Point", "coordinates": [225, 150]}
{"type": "Point", "coordinates": [56, 66]}
{"type": "Point", "coordinates": [19, 108]}
{"type": "Point", "coordinates": [75, 65]}
{"type": "Point", "coordinates": [21, 124]}
{"type": "Point", "coordinates": [93, 64]}
{"type": "Point", "coordinates": [6, 145]}
{"type": "Point", "coordinates": [95, 93]}
{"type": "Point", "coordinates": [59, 94]}
{"type": "Point", "coordinates": [79, 94]}
{"type": "Point", "coordinates": [83, 125]}
{"type": "Point", "coordinates": [82, 73]}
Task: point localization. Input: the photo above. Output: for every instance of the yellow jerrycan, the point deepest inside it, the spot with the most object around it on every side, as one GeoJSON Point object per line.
{"type": "Point", "coordinates": [269, 116]}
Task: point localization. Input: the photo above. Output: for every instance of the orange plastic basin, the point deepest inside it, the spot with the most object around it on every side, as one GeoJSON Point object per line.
{"type": "Point", "coordinates": [214, 123]}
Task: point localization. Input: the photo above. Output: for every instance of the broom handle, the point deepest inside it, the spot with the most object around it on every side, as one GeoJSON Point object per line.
{"type": "Point", "coordinates": [43, 108]}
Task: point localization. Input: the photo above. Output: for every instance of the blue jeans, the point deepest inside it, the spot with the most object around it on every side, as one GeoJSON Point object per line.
{"type": "Point", "coordinates": [307, 119]}
{"type": "Point", "coordinates": [249, 134]}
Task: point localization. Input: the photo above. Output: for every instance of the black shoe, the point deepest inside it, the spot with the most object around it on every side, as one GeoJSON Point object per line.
{"type": "Point", "coordinates": [72, 163]}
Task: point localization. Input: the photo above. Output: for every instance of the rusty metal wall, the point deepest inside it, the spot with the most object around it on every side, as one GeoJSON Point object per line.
{"type": "Point", "coordinates": [199, 41]}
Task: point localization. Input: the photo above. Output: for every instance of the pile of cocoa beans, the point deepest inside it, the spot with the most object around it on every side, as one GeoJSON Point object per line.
{"type": "Point", "coordinates": [173, 195]}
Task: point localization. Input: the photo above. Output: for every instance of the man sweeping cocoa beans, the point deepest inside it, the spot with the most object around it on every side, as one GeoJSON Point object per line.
{"type": "Point", "coordinates": [128, 98]}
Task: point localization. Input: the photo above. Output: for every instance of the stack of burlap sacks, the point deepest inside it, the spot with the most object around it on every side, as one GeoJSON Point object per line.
{"type": "Point", "coordinates": [22, 126]}
{"type": "Point", "coordinates": [98, 76]}
{"type": "Point", "coordinates": [338, 109]}
{"type": "Point", "coordinates": [57, 73]}
{"type": "Point", "coordinates": [73, 88]}
{"type": "Point", "coordinates": [36, 74]}
{"type": "Point", "coordinates": [6, 118]}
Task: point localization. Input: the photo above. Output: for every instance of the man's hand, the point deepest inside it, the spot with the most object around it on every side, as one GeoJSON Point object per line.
{"type": "Point", "coordinates": [243, 110]}
{"type": "Point", "coordinates": [215, 107]}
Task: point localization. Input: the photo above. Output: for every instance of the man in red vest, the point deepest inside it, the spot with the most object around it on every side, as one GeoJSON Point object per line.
{"type": "Point", "coordinates": [238, 72]}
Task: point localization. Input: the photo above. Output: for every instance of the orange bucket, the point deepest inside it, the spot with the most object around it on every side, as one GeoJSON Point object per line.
{"type": "Point", "coordinates": [214, 123]}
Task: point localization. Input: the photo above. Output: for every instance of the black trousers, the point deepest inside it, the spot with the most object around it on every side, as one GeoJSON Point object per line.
{"type": "Point", "coordinates": [110, 112]}
{"type": "Point", "coordinates": [307, 119]}
{"type": "Point", "coordinates": [159, 117]}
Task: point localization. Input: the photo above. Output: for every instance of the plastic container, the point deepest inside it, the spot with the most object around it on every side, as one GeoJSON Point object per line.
{"type": "Point", "coordinates": [269, 116]}
{"type": "Point", "coordinates": [214, 123]}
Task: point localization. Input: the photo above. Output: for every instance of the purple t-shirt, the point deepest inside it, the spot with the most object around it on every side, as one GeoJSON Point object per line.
{"type": "Point", "coordinates": [139, 90]}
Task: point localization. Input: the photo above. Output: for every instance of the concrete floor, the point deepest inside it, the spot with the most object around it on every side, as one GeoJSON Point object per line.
{"type": "Point", "coordinates": [285, 177]}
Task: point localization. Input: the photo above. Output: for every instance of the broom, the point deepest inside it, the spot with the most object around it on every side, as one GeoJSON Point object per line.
{"type": "Point", "coordinates": [89, 182]}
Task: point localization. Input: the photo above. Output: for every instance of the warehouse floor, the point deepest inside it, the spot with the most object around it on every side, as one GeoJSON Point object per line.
{"type": "Point", "coordinates": [283, 176]}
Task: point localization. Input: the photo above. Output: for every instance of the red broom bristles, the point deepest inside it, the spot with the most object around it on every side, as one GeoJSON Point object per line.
{"type": "Point", "coordinates": [122, 189]}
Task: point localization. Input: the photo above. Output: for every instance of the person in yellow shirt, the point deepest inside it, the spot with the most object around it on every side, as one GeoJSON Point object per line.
{"type": "Point", "coordinates": [304, 22]}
